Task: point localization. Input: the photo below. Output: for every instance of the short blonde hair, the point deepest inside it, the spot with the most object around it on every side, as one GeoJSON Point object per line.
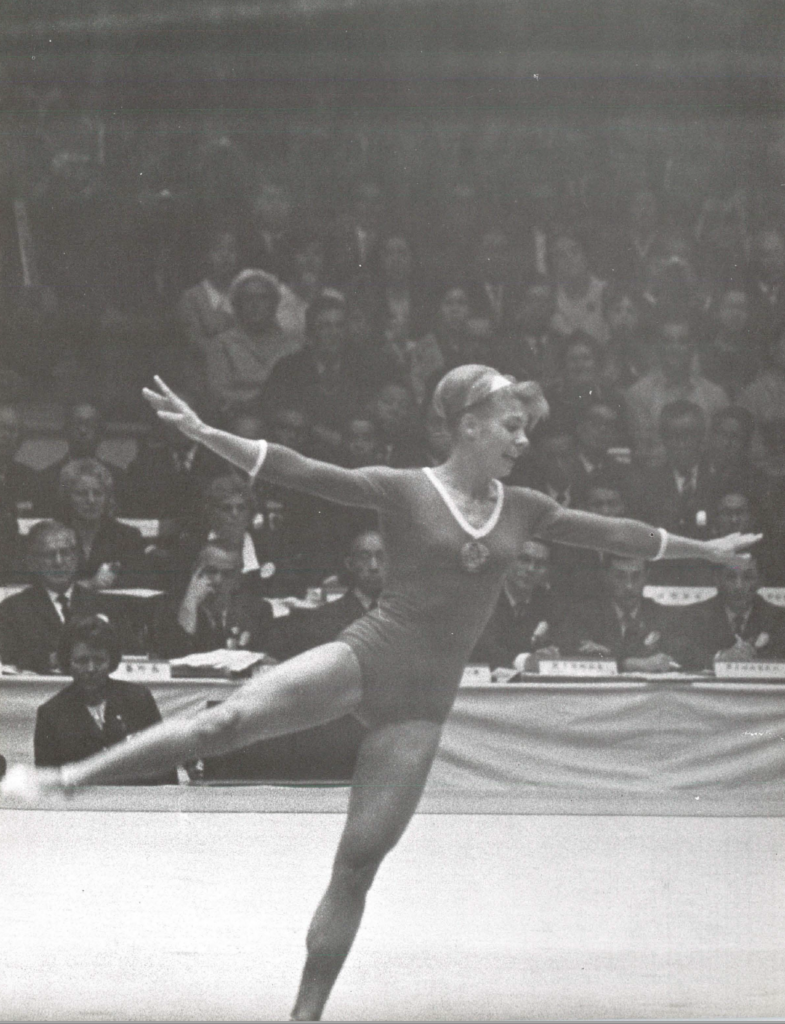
{"type": "Point", "coordinates": [86, 469]}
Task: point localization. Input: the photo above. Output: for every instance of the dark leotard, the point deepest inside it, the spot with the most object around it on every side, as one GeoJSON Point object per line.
{"type": "Point", "coordinates": [413, 647]}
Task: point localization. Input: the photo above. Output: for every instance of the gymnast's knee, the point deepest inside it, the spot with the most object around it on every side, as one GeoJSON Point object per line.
{"type": "Point", "coordinates": [356, 874]}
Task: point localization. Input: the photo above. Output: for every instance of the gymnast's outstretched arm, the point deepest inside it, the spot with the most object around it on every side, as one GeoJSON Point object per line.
{"type": "Point", "coordinates": [630, 537]}
{"type": "Point", "coordinates": [370, 487]}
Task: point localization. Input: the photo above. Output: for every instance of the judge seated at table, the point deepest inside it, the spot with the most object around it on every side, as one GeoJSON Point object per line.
{"type": "Point", "coordinates": [365, 573]}
{"type": "Point", "coordinates": [32, 621]}
{"type": "Point", "coordinates": [527, 618]}
{"type": "Point", "coordinates": [94, 711]}
{"type": "Point", "coordinates": [220, 607]}
{"type": "Point", "coordinates": [621, 624]}
{"type": "Point", "coordinates": [737, 624]}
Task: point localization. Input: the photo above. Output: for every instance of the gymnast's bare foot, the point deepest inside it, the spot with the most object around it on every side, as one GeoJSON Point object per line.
{"type": "Point", "coordinates": [25, 785]}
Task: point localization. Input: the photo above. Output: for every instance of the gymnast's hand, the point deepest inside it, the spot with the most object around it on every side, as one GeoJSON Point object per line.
{"type": "Point", "coordinates": [174, 410]}
{"type": "Point", "coordinates": [730, 550]}
{"type": "Point", "coordinates": [26, 785]}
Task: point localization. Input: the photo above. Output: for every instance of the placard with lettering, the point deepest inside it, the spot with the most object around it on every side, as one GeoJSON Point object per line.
{"type": "Point", "coordinates": [749, 669]}
{"type": "Point", "coordinates": [477, 675]}
{"type": "Point", "coordinates": [141, 670]}
{"type": "Point", "coordinates": [578, 668]}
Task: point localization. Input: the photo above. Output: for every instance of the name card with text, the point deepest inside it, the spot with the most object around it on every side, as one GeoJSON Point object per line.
{"type": "Point", "coordinates": [749, 669]}
{"type": "Point", "coordinates": [143, 671]}
{"type": "Point", "coordinates": [477, 675]}
{"type": "Point", "coordinates": [578, 668]}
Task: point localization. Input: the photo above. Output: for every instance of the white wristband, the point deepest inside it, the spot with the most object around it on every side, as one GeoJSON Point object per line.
{"type": "Point", "coordinates": [263, 446]}
{"type": "Point", "coordinates": [664, 538]}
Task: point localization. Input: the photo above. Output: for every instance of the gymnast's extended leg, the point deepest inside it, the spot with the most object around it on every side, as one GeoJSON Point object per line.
{"type": "Point", "coordinates": [392, 768]}
{"type": "Point", "coordinates": [311, 689]}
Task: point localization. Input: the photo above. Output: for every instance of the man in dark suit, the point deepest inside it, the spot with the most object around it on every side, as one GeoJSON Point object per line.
{"type": "Point", "coordinates": [622, 624]}
{"type": "Point", "coordinates": [495, 291]}
{"type": "Point", "coordinates": [526, 618]}
{"type": "Point", "coordinates": [19, 484]}
{"type": "Point", "coordinates": [222, 607]}
{"type": "Point", "coordinates": [737, 624]}
{"type": "Point", "coordinates": [366, 571]}
{"type": "Point", "coordinates": [31, 622]}
{"type": "Point", "coordinates": [93, 712]}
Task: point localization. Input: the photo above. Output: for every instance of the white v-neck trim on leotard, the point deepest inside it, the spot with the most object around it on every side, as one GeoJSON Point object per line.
{"type": "Point", "coordinates": [456, 513]}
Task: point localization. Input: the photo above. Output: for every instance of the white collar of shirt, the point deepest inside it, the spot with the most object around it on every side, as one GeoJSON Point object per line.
{"type": "Point", "coordinates": [98, 711]}
{"type": "Point", "coordinates": [218, 300]}
{"type": "Point", "coordinates": [625, 617]}
{"type": "Point", "coordinates": [54, 598]}
{"type": "Point", "coordinates": [738, 622]}
{"type": "Point", "coordinates": [250, 561]}
{"type": "Point", "coordinates": [515, 601]}
{"type": "Point", "coordinates": [588, 466]}
{"type": "Point", "coordinates": [682, 481]}
{"type": "Point", "coordinates": [365, 601]}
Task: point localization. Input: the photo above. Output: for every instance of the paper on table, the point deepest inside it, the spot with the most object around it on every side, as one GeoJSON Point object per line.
{"type": "Point", "coordinates": [224, 660]}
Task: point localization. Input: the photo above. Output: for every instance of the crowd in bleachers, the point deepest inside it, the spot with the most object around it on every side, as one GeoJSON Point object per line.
{"type": "Point", "coordinates": [654, 321]}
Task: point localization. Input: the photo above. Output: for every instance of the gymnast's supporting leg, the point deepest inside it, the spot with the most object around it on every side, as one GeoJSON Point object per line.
{"type": "Point", "coordinates": [309, 690]}
{"type": "Point", "coordinates": [391, 772]}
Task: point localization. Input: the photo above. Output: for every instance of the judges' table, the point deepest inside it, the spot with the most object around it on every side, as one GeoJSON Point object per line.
{"type": "Point", "coordinates": [683, 745]}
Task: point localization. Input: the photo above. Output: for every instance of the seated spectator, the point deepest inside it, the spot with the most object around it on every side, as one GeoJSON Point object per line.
{"type": "Point", "coordinates": [728, 451]}
{"type": "Point", "coordinates": [362, 442]}
{"type": "Point", "coordinates": [398, 299]}
{"type": "Point", "coordinates": [205, 311]}
{"type": "Point", "coordinates": [395, 414]}
{"type": "Point", "coordinates": [581, 380]}
{"type": "Point", "coordinates": [598, 433]}
{"type": "Point", "coordinates": [629, 336]}
{"type": "Point", "coordinates": [354, 239]}
{"type": "Point", "coordinates": [365, 571]}
{"type": "Point", "coordinates": [495, 287]}
{"type": "Point", "coordinates": [578, 292]}
{"type": "Point", "coordinates": [451, 342]}
{"type": "Point", "coordinates": [110, 553]}
{"type": "Point", "coordinates": [94, 711]}
{"type": "Point", "coordinates": [620, 623]}
{"type": "Point", "coordinates": [737, 624]}
{"type": "Point", "coordinates": [220, 606]}
{"type": "Point", "coordinates": [19, 484]}
{"type": "Point", "coordinates": [527, 619]}
{"type": "Point", "coordinates": [730, 354]}
{"type": "Point", "coordinates": [529, 349]}
{"type": "Point", "coordinates": [674, 378]}
{"type": "Point", "coordinates": [767, 282]}
{"type": "Point", "coordinates": [557, 469]}
{"type": "Point", "coordinates": [678, 494]}
{"type": "Point", "coordinates": [303, 283]}
{"type": "Point", "coordinates": [737, 511]}
{"type": "Point", "coordinates": [31, 622]}
{"type": "Point", "coordinates": [326, 377]}
{"type": "Point", "coordinates": [238, 362]}
{"type": "Point", "coordinates": [84, 431]}
{"type": "Point", "coordinates": [269, 242]}
{"type": "Point", "coordinates": [639, 239]}
{"type": "Point", "coordinates": [764, 397]}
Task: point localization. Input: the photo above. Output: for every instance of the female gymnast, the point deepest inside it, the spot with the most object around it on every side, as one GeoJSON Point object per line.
{"type": "Point", "coordinates": [451, 533]}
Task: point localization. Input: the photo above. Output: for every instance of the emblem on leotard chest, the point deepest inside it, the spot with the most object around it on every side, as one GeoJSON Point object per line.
{"type": "Point", "coordinates": [474, 555]}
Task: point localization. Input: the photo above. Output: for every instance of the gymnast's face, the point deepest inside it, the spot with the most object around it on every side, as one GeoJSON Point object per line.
{"type": "Point", "coordinates": [495, 432]}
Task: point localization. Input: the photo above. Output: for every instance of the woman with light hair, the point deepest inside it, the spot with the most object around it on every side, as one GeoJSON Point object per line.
{"type": "Point", "coordinates": [451, 534]}
{"type": "Point", "coordinates": [110, 552]}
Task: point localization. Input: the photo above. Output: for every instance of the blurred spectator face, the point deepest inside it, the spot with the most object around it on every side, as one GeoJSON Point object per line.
{"type": "Point", "coordinates": [222, 258]}
{"type": "Point", "coordinates": [329, 333]}
{"type": "Point", "coordinates": [623, 317]}
{"type": "Point", "coordinates": [737, 586]}
{"type": "Point", "coordinates": [537, 308]}
{"type": "Point", "coordinates": [367, 564]}
{"type": "Point", "coordinates": [580, 365]}
{"type": "Point", "coordinates": [290, 428]}
{"type": "Point", "coordinates": [569, 261]}
{"type": "Point", "coordinates": [52, 558]}
{"type": "Point", "coordinates": [625, 579]}
{"type": "Point", "coordinates": [494, 259]}
{"type": "Point", "coordinates": [733, 312]}
{"type": "Point", "coordinates": [605, 501]}
{"type": "Point", "coordinates": [396, 260]}
{"type": "Point", "coordinates": [223, 569]}
{"type": "Point", "coordinates": [598, 430]}
{"type": "Point", "coordinates": [643, 211]}
{"type": "Point", "coordinates": [229, 514]}
{"type": "Point", "coordinates": [727, 442]}
{"type": "Point", "coordinates": [395, 411]}
{"type": "Point", "coordinates": [362, 443]}
{"type": "Point", "coordinates": [90, 669]}
{"type": "Point", "coordinates": [437, 436]}
{"type": "Point", "coordinates": [559, 457]}
{"type": "Point", "coordinates": [83, 430]}
{"type": "Point", "coordinates": [10, 433]}
{"type": "Point", "coordinates": [309, 262]}
{"type": "Point", "coordinates": [683, 441]}
{"type": "Point", "coordinates": [530, 569]}
{"type": "Point", "coordinates": [87, 499]}
{"type": "Point", "coordinates": [255, 305]}
{"type": "Point", "coordinates": [454, 310]}
{"type": "Point", "coordinates": [676, 350]}
{"type": "Point", "coordinates": [734, 515]}
{"type": "Point", "coordinates": [272, 207]}
{"type": "Point", "coordinates": [770, 254]}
